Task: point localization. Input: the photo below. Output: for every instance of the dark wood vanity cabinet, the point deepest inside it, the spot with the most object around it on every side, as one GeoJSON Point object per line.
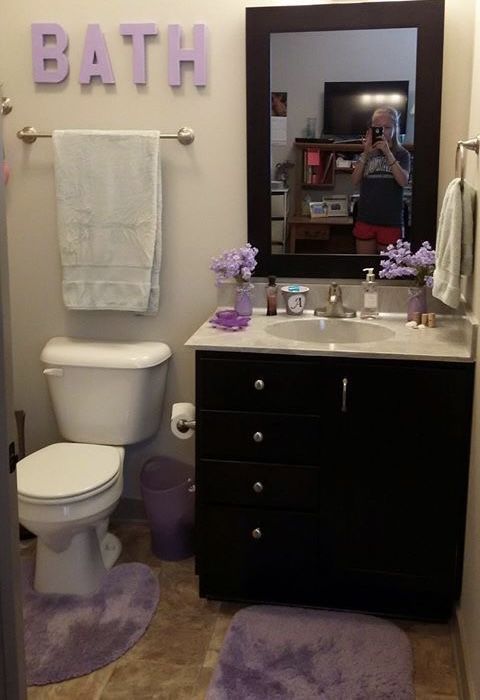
{"type": "Point", "coordinates": [332, 482]}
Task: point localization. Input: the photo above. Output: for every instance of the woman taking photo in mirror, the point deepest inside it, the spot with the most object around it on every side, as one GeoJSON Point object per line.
{"type": "Point", "coordinates": [382, 171]}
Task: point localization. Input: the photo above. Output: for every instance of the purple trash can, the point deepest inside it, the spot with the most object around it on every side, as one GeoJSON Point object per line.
{"type": "Point", "coordinates": [168, 492]}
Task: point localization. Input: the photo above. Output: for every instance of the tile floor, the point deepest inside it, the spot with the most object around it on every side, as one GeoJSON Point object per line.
{"type": "Point", "coordinates": [175, 658]}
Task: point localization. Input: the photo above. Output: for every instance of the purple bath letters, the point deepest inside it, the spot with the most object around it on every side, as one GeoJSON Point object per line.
{"type": "Point", "coordinates": [51, 65]}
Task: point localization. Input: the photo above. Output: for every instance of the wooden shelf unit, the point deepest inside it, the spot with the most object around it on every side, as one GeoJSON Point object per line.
{"type": "Point", "coordinates": [316, 170]}
{"type": "Point", "coordinates": [307, 229]}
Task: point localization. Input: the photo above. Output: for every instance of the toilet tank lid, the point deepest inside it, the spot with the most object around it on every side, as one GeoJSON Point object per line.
{"type": "Point", "coordinates": [82, 352]}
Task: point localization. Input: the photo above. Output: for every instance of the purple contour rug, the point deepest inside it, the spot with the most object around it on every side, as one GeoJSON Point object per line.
{"type": "Point", "coordinates": [298, 654]}
{"type": "Point", "coordinates": [70, 635]}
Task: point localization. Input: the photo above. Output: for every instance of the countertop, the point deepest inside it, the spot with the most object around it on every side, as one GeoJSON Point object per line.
{"type": "Point", "coordinates": [453, 339]}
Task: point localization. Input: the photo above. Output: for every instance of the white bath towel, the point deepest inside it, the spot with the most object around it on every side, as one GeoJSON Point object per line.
{"type": "Point", "coordinates": [109, 203]}
{"type": "Point", "coordinates": [454, 247]}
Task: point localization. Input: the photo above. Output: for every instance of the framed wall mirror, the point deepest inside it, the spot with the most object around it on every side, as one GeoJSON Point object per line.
{"type": "Point", "coordinates": [315, 76]}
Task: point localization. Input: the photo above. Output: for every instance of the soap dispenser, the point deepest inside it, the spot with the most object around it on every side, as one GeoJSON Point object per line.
{"type": "Point", "coordinates": [370, 295]}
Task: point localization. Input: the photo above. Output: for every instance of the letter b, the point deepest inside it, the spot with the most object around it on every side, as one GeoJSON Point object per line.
{"type": "Point", "coordinates": [42, 53]}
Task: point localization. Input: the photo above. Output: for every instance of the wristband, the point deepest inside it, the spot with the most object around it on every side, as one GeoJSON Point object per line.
{"type": "Point", "coordinates": [390, 165]}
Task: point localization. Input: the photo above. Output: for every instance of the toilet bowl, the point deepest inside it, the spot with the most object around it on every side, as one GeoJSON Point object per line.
{"type": "Point", "coordinates": [66, 493]}
{"type": "Point", "coordinates": [105, 395]}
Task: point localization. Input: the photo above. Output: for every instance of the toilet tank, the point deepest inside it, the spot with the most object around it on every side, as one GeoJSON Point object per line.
{"type": "Point", "coordinates": [106, 393]}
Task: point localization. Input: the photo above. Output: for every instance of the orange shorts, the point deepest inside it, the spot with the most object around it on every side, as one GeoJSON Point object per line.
{"type": "Point", "coordinates": [384, 235]}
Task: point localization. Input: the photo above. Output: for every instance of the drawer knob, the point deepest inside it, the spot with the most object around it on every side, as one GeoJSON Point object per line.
{"type": "Point", "coordinates": [258, 487]}
{"type": "Point", "coordinates": [259, 384]}
{"type": "Point", "coordinates": [258, 437]}
{"type": "Point", "coordinates": [257, 533]}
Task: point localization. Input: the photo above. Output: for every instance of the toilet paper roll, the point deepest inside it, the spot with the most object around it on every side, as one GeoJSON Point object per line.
{"type": "Point", "coordinates": [182, 411]}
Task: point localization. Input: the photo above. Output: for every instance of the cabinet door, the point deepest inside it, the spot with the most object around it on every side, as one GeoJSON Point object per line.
{"type": "Point", "coordinates": [259, 555]}
{"type": "Point", "coordinates": [401, 479]}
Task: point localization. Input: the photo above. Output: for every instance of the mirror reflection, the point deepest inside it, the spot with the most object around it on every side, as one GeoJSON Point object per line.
{"type": "Point", "coordinates": [342, 139]}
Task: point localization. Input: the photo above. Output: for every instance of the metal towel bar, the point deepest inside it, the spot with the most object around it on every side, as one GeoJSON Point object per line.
{"type": "Point", "coordinates": [462, 146]}
{"type": "Point", "coordinates": [29, 134]}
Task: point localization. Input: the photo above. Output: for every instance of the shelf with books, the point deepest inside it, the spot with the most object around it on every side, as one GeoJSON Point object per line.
{"type": "Point", "coordinates": [318, 167]}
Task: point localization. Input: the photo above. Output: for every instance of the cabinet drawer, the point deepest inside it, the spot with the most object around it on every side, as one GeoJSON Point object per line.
{"type": "Point", "coordinates": [261, 437]}
{"type": "Point", "coordinates": [258, 555]}
{"type": "Point", "coordinates": [261, 485]}
{"type": "Point", "coordinates": [274, 386]}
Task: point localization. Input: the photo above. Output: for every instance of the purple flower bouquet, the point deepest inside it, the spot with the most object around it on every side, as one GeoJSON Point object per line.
{"type": "Point", "coordinates": [238, 263]}
{"type": "Point", "coordinates": [401, 262]}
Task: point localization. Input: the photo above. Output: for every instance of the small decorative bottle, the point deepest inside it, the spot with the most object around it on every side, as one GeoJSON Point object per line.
{"type": "Point", "coordinates": [370, 295]}
{"type": "Point", "coordinates": [306, 205]}
{"type": "Point", "coordinates": [271, 292]}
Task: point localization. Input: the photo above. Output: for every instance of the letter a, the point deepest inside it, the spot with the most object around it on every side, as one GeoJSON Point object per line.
{"type": "Point", "coordinates": [95, 60]}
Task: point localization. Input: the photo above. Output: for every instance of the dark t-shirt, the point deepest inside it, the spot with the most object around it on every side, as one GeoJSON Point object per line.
{"type": "Point", "coordinates": [381, 197]}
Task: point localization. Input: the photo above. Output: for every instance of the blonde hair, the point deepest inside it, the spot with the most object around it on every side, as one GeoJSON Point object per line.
{"type": "Point", "coordinates": [392, 113]}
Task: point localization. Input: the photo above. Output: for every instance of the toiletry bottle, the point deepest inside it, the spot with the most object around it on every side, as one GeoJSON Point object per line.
{"type": "Point", "coordinates": [306, 205]}
{"type": "Point", "coordinates": [271, 297]}
{"type": "Point", "coordinates": [370, 295]}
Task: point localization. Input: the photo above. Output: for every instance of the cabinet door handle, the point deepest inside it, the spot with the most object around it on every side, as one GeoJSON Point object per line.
{"type": "Point", "coordinates": [257, 533]}
{"type": "Point", "coordinates": [258, 437]}
{"type": "Point", "coordinates": [344, 394]}
{"type": "Point", "coordinates": [259, 384]}
{"type": "Point", "coordinates": [258, 487]}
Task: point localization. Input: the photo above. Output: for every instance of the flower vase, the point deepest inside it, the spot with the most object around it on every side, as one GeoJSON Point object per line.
{"type": "Point", "coordinates": [417, 302]}
{"type": "Point", "coordinates": [243, 299]}
{"type": "Point", "coordinates": [226, 291]}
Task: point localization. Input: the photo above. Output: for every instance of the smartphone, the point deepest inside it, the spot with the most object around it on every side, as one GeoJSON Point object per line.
{"type": "Point", "coordinates": [377, 133]}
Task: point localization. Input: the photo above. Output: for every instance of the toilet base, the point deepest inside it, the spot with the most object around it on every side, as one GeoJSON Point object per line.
{"type": "Point", "coordinates": [79, 569]}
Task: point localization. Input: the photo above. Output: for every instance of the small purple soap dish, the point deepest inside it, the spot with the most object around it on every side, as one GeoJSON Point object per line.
{"type": "Point", "coordinates": [229, 320]}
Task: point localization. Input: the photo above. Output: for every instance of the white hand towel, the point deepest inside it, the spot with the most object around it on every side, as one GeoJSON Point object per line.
{"type": "Point", "coordinates": [454, 248]}
{"type": "Point", "coordinates": [109, 203]}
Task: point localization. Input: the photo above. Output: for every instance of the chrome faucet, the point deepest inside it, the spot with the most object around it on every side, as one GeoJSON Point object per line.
{"type": "Point", "coordinates": [334, 307]}
{"type": "Point", "coordinates": [334, 302]}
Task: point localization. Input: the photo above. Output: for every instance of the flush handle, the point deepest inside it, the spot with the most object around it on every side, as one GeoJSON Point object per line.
{"type": "Point", "coordinates": [259, 384]}
{"type": "Point", "coordinates": [53, 372]}
{"type": "Point", "coordinates": [258, 487]}
{"type": "Point", "coordinates": [344, 394]}
{"type": "Point", "coordinates": [257, 533]}
{"type": "Point", "coordinates": [12, 457]}
{"type": "Point", "coordinates": [258, 437]}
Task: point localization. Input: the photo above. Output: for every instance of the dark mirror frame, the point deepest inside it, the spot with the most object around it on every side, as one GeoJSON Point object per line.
{"type": "Point", "coordinates": [427, 16]}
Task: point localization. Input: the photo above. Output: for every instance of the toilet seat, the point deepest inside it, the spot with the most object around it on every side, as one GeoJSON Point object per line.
{"type": "Point", "coordinates": [68, 472]}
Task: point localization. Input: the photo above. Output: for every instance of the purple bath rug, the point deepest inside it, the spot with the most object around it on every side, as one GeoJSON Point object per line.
{"type": "Point", "coordinates": [71, 635]}
{"type": "Point", "coordinates": [296, 654]}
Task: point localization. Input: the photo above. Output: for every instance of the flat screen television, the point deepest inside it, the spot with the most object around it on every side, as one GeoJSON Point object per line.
{"type": "Point", "coordinates": [348, 107]}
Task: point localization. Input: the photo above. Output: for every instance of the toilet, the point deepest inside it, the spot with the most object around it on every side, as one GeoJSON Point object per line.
{"type": "Point", "coordinates": [105, 395]}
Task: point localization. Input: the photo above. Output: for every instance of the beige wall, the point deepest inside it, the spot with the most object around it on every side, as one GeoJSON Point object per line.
{"type": "Point", "coordinates": [204, 185]}
{"type": "Point", "coordinates": [469, 610]}
{"type": "Point", "coordinates": [204, 188]}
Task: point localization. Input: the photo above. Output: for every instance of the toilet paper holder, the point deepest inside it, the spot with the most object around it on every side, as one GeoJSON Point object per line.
{"type": "Point", "coordinates": [185, 425]}
{"type": "Point", "coordinates": [182, 422]}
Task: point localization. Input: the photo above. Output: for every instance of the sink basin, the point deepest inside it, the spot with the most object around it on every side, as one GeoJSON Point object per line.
{"type": "Point", "coordinates": [329, 330]}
